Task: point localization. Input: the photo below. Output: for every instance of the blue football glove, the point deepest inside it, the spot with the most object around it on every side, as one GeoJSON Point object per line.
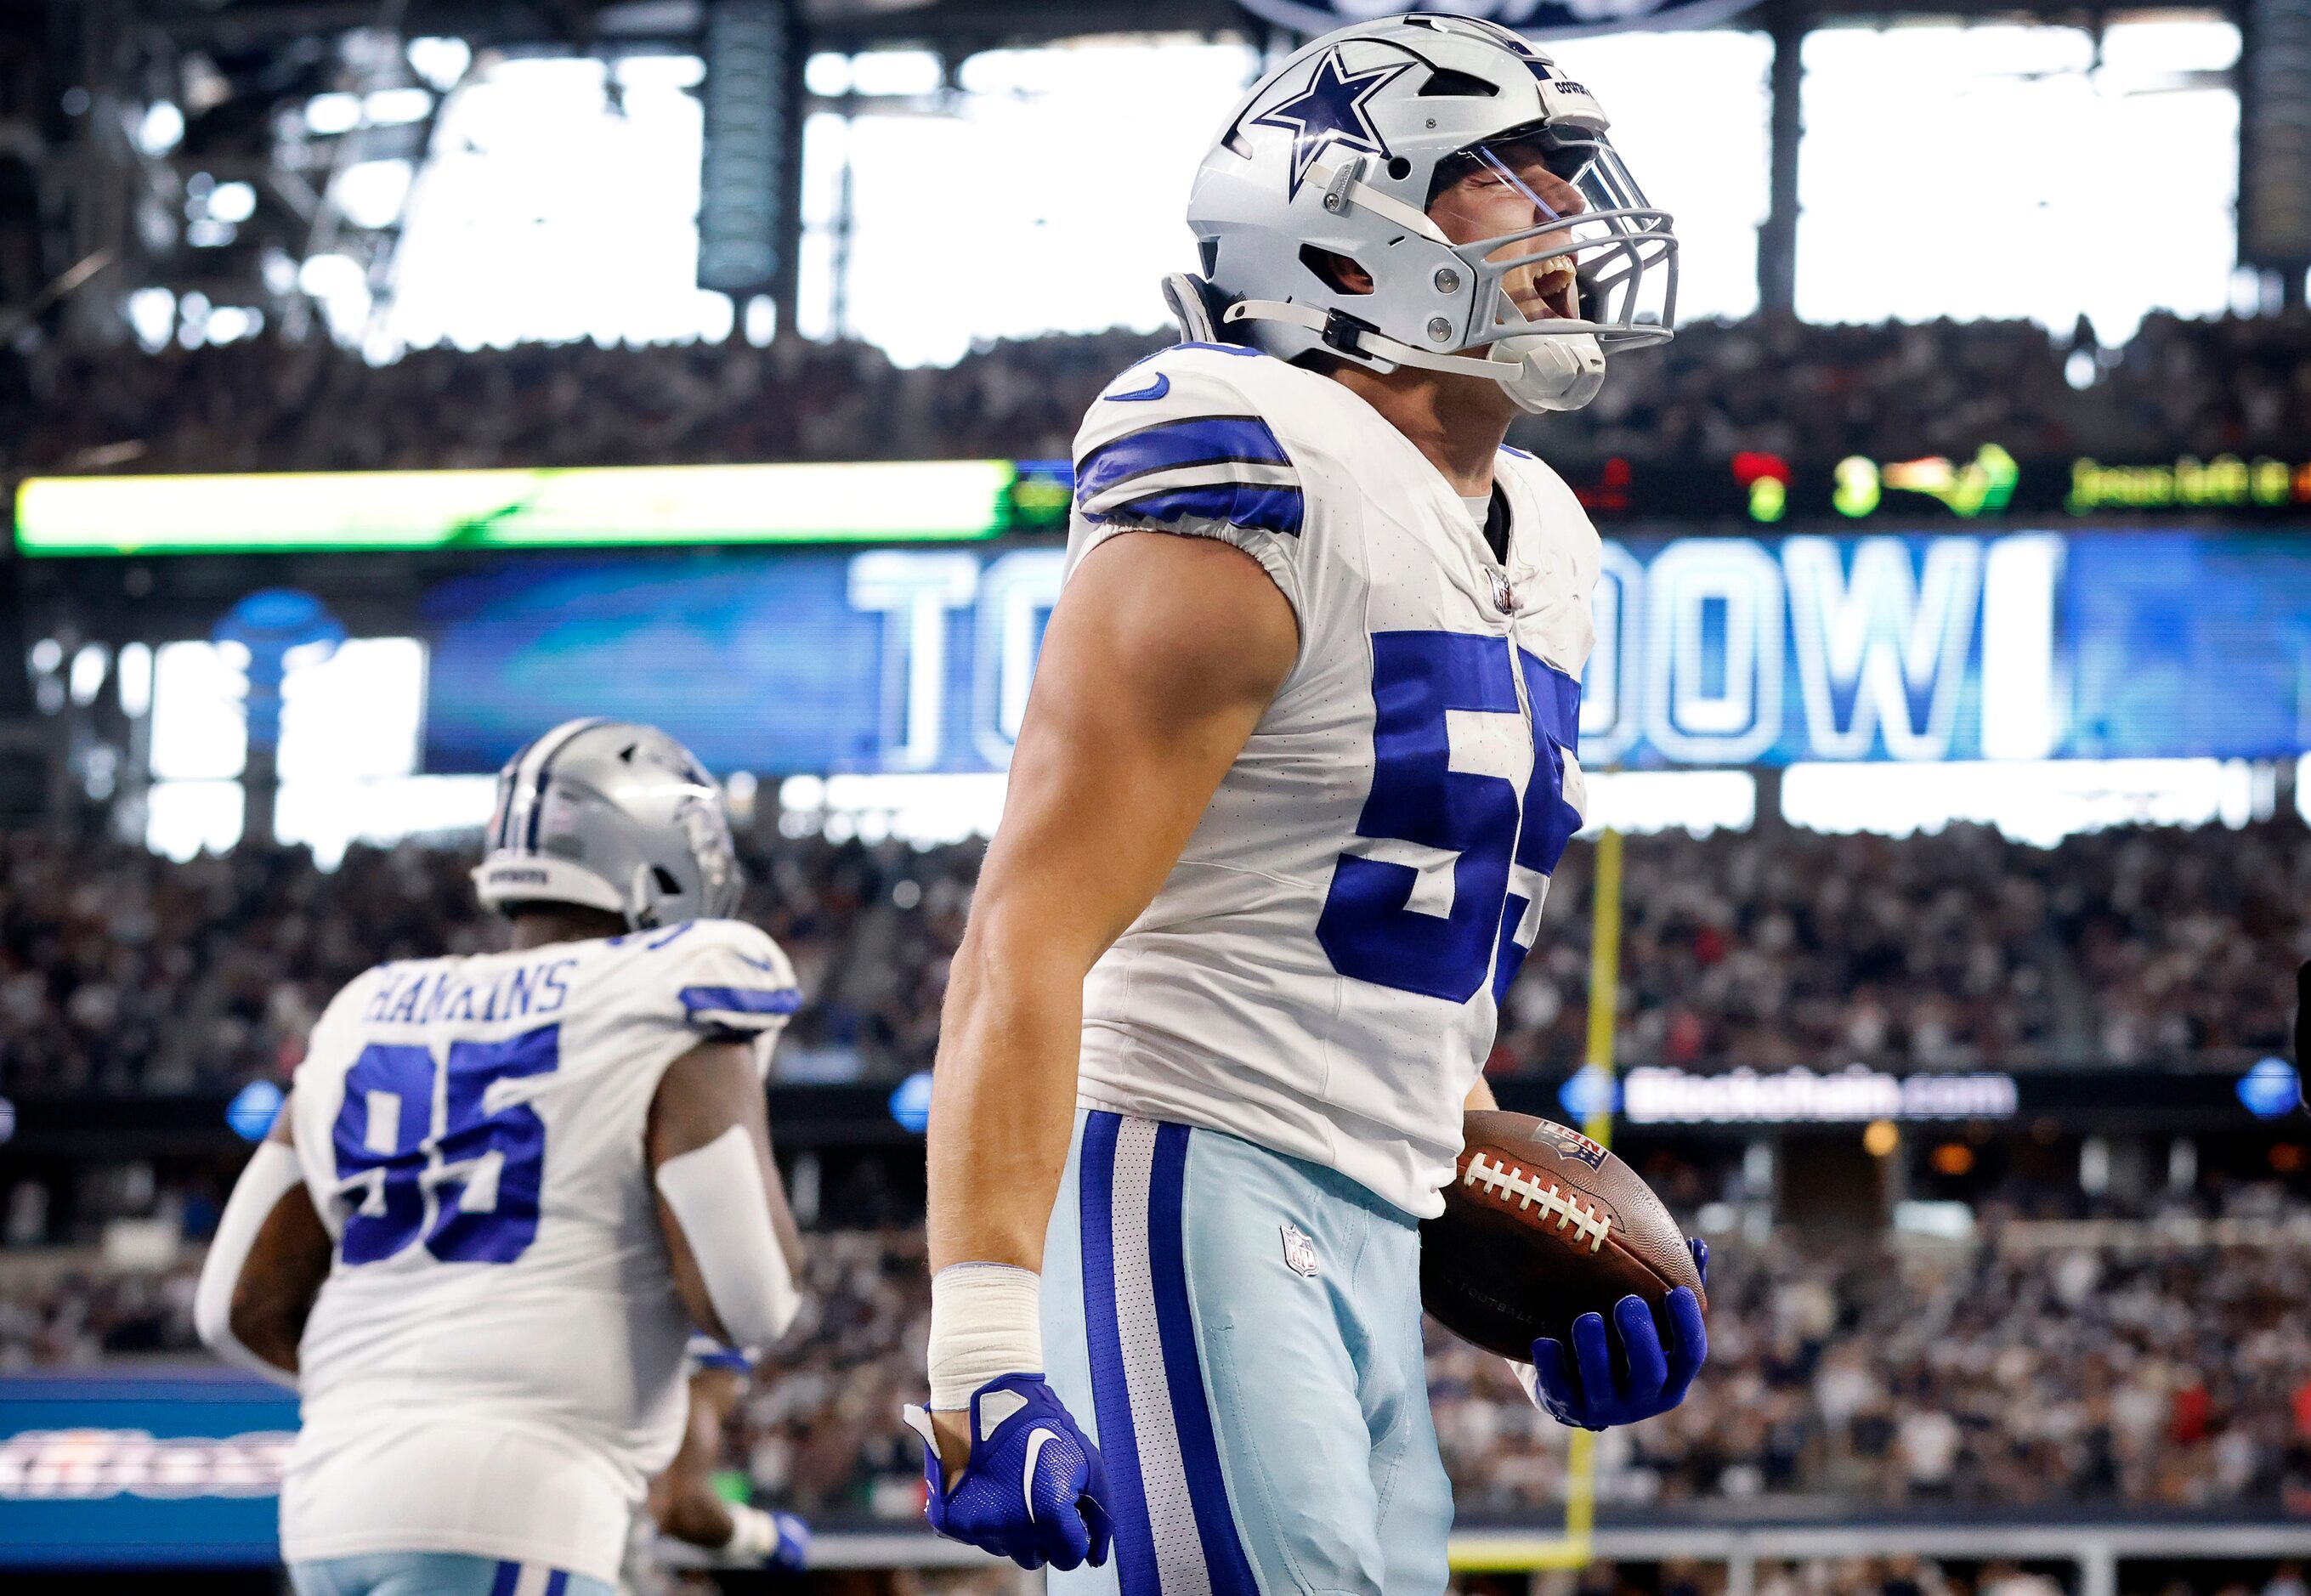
{"type": "Point", "coordinates": [758, 1540]}
{"type": "Point", "coordinates": [1032, 1490]}
{"type": "Point", "coordinates": [1582, 1390]}
{"type": "Point", "coordinates": [793, 1550]}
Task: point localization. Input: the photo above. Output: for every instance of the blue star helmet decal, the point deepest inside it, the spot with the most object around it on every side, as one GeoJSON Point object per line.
{"type": "Point", "coordinates": [1330, 110]}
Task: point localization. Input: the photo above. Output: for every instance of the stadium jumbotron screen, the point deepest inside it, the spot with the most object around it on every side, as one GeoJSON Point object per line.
{"type": "Point", "coordinates": [1711, 652]}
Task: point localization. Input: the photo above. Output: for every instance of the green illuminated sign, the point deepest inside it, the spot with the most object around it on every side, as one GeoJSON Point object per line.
{"type": "Point", "coordinates": [2223, 482]}
{"type": "Point", "coordinates": [1984, 485]}
{"type": "Point", "coordinates": [585, 508]}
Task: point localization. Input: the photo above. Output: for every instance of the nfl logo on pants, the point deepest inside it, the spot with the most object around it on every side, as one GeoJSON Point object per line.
{"type": "Point", "coordinates": [1299, 1252]}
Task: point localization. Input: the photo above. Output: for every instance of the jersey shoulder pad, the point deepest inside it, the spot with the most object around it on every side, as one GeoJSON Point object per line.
{"type": "Point", "coordinates": [1185, 436]}
{"type": "Point", "coordinates": [1564, 519]}
{"type": "Point", "coordinates": [1541, 477]}
{"type": "Point", "coordinates": [725, 976]}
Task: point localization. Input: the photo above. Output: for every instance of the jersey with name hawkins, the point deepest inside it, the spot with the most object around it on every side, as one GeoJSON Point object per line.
{"type": "Point", "coordinates": [495, 1364]}
{"type": "Point", "coordinates": [1321, 972]}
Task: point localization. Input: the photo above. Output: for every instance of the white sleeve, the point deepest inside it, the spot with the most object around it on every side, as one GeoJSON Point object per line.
{"type": "Point", "coordinates": [1173, 445]}
{"type": "Point", "coordinates": [272, 1172]}
{"type": "Point", "coordinates": [715, 1194]}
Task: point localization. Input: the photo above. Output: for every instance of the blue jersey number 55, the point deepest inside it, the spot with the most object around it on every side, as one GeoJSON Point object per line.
{"type": "Point", "coordinates": [1367, 927]}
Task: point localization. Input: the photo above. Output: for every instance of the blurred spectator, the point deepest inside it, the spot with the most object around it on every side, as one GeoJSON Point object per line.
{"type": "Point", "coordinates": [1939, 1375]}
{"type": "Point", "coordinates": [82, 1317]}
{"type": "Point", "coordinates": [122, 971]}
{"type": "Point", "coordinates": [2241, 385]}
{"type": "Point", "coordinates": [1957, 949]}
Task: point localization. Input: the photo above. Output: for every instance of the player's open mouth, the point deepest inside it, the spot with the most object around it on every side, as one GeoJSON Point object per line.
{"type": "Point", "coordinates": [1547, 291]}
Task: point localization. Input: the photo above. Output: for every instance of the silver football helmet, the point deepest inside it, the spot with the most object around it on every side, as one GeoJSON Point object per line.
{"type": "Point", "coordinates": [1335, 158]}
{"type": "Point", "coordinates": [613, 815]}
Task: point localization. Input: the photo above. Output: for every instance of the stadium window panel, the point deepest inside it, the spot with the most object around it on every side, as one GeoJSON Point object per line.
{"type": "Point", "coordinates": [199, 733]}
{"type": "Point", "coordinates": [549, 211]}
{"type": "Point", "coordinates": [2006, 172]}
{"type": "Point", "coordinates": [927, 810]}
{"type": "Point", "coordinates": [356, 716]}
{"type": "Point", "coordinates": [1689, 114]}
{"type": "Point", "coordinates": [329, 815]}
{"type": "Point", "coordinates": [183, 819]}
{"type": "Point", "coordinates": [1049, 200]}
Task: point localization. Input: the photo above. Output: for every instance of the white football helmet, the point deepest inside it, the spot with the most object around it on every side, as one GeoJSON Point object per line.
{"type": "Point", "coordinates": [1336, 156]}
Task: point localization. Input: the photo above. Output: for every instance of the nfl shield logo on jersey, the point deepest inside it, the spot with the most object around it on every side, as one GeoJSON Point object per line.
{"type": "Point", "coordinates": [1299, 1252]}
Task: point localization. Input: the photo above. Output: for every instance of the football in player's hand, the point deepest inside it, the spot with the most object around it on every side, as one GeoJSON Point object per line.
{"type": "Point", "coordinates": [1540, 1226]}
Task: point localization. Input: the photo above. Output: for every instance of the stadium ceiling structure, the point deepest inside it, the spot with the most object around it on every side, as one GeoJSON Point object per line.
{"type": "Point", "coordinates": [168, 143]}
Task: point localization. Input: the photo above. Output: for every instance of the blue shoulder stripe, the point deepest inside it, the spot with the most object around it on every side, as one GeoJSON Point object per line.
{"type": "Point", "coordinates": [708, 1353]}
{"type": "Point", "coordinates": [1199, 441]}
{"type": "Point", "coordinates": [697, 1000]}
{"type": "Point", "coordinates": [1267, 508]}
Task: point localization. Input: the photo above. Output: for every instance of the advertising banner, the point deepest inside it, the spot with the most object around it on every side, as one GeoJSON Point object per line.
{"type": "Point", "coordinates": [141, 1466]}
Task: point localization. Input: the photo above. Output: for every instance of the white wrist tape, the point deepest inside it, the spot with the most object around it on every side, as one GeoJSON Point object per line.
{"type": "Point", "coordinates": [985, 1321]}
{"type": "Point", "coordinates": [716, 1194]}
{"type": "Point", "coordinates": [1528, 1377]}
{"type": "Point", "coordinates": [753, 1537]}
{"type": "Point", "coordinates": [272, 1172]}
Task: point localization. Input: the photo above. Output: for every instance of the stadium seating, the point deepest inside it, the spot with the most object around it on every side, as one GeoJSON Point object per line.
{"type": "Point", "coordinates": [2177, 387]}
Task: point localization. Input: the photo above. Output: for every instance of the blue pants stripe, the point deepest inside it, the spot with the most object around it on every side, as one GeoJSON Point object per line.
{"type": "Point", "coordinates": [558, 1583]}
{"type": "Point", "coordinates": [509, 1575]}
{"type": "Point", "coordinates": [1229, 1570]}
{"type": "Point", "coordinates": [1135, 1544]}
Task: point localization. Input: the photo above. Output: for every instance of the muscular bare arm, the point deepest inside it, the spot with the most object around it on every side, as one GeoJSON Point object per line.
{"type": "Point", "coordinates": [1161, 656]}
{"type": "Point", "coordinates": [682, 1499]}
{"type": "Point", "coordinates": [702, 1097]}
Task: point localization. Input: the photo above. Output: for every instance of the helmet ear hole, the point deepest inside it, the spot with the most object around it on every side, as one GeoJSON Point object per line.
{"type": "Point", "coordinates": [663, 878]}
{"type": "Point", "coordinates": [1399, 168]}
{"type": "Point", "coordinates": [1338, 272]}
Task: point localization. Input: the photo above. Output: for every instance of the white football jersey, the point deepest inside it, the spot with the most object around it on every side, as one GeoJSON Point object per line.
{"type": "Point", "coordinates": [1319, 973]}
{"type": "Point", "coordinates": [495, 1364]}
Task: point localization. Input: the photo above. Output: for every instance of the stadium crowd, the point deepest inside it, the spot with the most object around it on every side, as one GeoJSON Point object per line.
{"type": "Point", "coordinates": [123, 972]}
{"type": "Point", "coordinates": [1996, 1377]}
{"type": "Point", "coordinates": [2175, 1375]}
{"type": "Point", "coordinates": [1801, 390]}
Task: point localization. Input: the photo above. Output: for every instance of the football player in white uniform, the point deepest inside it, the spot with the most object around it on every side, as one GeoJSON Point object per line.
{"type": "Point", "coordinates": [1296, 767]}
{"type": "Point", "coordinates": [689, 1525]}
{"type": "Point", "coordinates": [504, 1188]}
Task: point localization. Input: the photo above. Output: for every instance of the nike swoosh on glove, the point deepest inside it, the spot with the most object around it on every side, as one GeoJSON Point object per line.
{"type": "Point", "coordinates": [793, 1550]}
{"type": "Point", "coordinates": [1033, 1488]}
{"type": "Point", "coordinates": [1583, 1391]}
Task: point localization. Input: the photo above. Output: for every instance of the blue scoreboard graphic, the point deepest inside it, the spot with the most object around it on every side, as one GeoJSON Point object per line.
{"type": "Point", "coordinates": [1710, 650]}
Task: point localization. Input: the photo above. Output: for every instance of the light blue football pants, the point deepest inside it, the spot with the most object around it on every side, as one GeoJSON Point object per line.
{"type": "Point", "coordinates": [1240, 1333]}
{"type": "Point", "coordinates": [436, 1574]}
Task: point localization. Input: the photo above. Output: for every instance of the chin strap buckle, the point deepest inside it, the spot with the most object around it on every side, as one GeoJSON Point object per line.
{"type": "Point", "coordinates": [1345, 333]}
